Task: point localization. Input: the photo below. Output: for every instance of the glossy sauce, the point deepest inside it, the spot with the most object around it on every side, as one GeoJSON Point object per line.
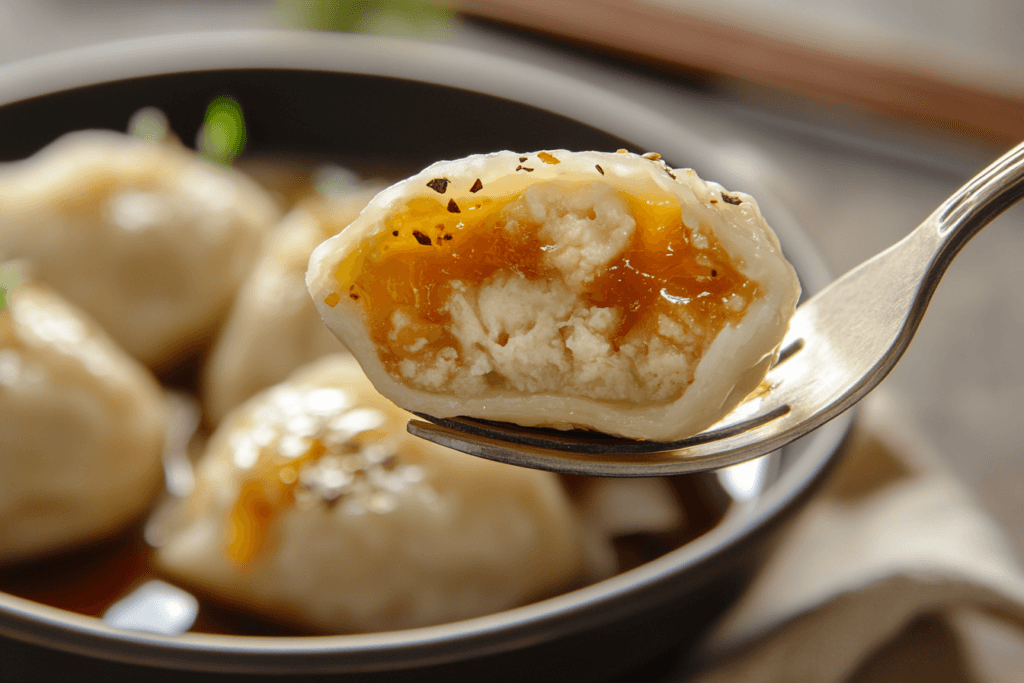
{"type": "Point", "coordinates": [409, 267]}
{"type": "Point", "coordinates": [267, 492]}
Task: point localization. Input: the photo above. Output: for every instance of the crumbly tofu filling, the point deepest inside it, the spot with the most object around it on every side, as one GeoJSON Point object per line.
{"type": "Point", "coordinates": [572, 288]}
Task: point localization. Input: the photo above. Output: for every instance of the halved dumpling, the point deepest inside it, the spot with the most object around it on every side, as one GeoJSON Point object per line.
{"type": "Point", "coordinates": [82, 428]}
{"type": "Point", "coordinates": [314, 506]}
{"type": "Point", "coordinates": [594, 290]}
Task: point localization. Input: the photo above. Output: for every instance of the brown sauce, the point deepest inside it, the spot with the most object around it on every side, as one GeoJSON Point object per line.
{"type": "Point", "coordinates": [86, 580]}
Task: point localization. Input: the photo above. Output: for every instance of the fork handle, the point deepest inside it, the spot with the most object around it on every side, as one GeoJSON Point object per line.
{"type": "Point", "coordinates": [857, 328]}
{"type": "Point", "coordinates": [951, 226]}
{"type": "Point", "coordinates": [976, 204]}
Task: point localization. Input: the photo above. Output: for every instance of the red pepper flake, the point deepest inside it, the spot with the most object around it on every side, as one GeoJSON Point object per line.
{"type": "Point", "coordinates": [714, 201]}
{"type": "Point", "coordinates": [599, 169]}
{"type": "Point", "coordinates": [453, 207]}
{"type": "Point", "coordinates": [477, 186]}
{"type": "Point", "coordinates": [332, 299]}
{"type": "Point", "coordinates": [714, 273]}
{"type": "Point", "coordinates": [524, 168]}
{"type": "Point", "coordinates": [447, 236]}
{"type": "Point", "coordinates": [731, 199]}
{"type": "Point", "coordinates": [521, 159]}
{"type": "Point", "coordinates": [394, 233]}
{"type": "Point", "coordinates": [439, 185]}
{"type": "Point", "coordinates": [421, 238]}
{"type": "Point", "coordinates": [548, 158]}
{"type": "Point", "coordinates": [353, 296]}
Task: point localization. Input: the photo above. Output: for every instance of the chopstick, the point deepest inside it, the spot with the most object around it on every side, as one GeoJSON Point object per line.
{"type": "Point", "coordinates": [682, 42]}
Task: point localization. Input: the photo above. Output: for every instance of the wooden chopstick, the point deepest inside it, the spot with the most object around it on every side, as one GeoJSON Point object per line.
{"type": "Point", "coordinates": [683, 42]}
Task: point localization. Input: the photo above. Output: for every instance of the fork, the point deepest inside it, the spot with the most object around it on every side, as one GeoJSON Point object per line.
{"type": "Point", "coordinates": [841, 343]}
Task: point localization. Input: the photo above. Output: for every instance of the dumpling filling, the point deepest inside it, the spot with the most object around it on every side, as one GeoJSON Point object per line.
{"type": "Point", "coordinates": [564, 288]}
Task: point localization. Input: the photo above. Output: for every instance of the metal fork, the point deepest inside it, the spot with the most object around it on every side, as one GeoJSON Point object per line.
{"type": "Point", "coordinates": [840, 345]}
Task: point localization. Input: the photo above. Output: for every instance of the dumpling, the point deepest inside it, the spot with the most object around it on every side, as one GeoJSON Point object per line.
{"type": "Point", "coordinates": [147, 238]}
{"type": "Point", "coordinates": [560, 289]}
{"type": "Point", "coordinates": [314, 506]}
{"type": "Point", "coordinates": [81, 429]}
{"type": "Point", "coordinates": [273, 327]}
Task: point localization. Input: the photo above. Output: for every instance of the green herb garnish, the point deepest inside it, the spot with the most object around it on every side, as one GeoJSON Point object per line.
{"type": "Point", "coordinates": [222, 137]}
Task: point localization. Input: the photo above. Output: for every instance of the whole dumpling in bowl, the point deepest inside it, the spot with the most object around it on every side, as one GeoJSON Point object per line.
{"type": "Point", "coordinates": [146, 237]}
{"type": "Point", "coordinates": [273, 327]}
{"type": "Point", "coordinates": [560, 289]}
{"type": "Point", "coordinates": [315, 507]}
{"type": "Point", "coordinates": [82, 428]}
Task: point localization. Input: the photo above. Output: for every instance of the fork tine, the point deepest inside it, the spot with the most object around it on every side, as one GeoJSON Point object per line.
{"type": "Point", "coordinates": [708, 454]}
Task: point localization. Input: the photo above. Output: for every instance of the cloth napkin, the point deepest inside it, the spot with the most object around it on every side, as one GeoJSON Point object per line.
{"type": "Point", "coordinates": [892, 573]}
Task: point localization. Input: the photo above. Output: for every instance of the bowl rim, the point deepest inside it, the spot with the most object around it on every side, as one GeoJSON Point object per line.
{"type": "Point", "coordinates": [471, 70]}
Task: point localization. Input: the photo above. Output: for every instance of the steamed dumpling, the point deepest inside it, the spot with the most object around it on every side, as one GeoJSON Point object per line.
{"type": "Point", "coordinates": [147, 238]}
{"type": "Point", "coordinates": [273, 327]}
{"type": "Point", "coordinates": [81, 429]}
{"type": "Point", "coordinates": [603, 291]}
{"type": "Point", "coordinates": [314, 506]}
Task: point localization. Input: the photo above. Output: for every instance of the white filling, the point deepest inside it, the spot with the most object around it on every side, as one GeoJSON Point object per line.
{"type": "Point", "coordinates": [586, 227]}
{"type": "Point", "coordinates": [542, 336]}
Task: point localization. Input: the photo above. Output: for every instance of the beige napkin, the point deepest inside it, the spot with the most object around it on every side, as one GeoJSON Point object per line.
{"type": "Point", "coordinates": [892, 573]}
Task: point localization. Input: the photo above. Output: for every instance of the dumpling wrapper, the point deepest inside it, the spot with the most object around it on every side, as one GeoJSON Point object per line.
{"type": "Point", "coordinates": [147, 238]}
{"type": "Point", "coordinates": [560, 289]}
{"type": "Point", "coordinates": [314, 506]}
{"type": "Point", "coordinates": [81, 429]}
{"type": "Point", "coordinates": [273, 327]}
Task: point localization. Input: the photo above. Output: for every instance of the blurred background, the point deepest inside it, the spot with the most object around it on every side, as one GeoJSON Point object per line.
{"type": "Point", "coordinates": [862, 115]}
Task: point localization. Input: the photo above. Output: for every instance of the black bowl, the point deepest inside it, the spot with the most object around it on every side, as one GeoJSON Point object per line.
{"type": "Point", "coordinates": [404, 105]}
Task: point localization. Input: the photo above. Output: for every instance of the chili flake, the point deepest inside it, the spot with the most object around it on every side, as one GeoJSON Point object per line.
{"type": "Point", "coordinates": [439, 185]}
